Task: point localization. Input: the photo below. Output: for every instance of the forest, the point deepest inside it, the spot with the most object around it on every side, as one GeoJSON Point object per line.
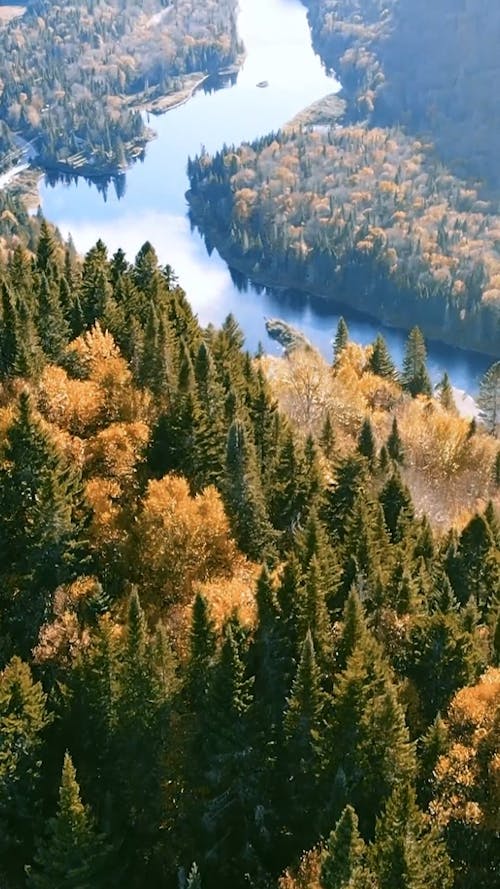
{"type": "Point", "coordinates": [249, 613]}
{"type": "Point", "coordinates": [429, 66]}
{"type": "Point", "coordinates": [71, 75]}
{"type": "Point", "coordinates": [363, 216]}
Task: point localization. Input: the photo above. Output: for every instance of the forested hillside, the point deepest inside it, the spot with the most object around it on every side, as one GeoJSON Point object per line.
{"type": "Point", "coordinates": [234, 651]}
{"type": "Point", "coordinates": [432, 66]}
{"type": "Point", "coordinates": [71, 73]}
{"type": "Point", "coordinates": [359, 215]}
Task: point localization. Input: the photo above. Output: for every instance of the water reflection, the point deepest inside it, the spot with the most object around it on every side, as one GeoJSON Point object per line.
{"type": "Point", "coordinates": [149, 202]}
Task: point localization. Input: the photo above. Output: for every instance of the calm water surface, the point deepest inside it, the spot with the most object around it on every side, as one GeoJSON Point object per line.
{"type": "Point", "coordinates": [153, 206]}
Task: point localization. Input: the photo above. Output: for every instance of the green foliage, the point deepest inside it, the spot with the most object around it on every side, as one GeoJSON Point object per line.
{"type": "Point", "coordinates": [72, 855]}
{"type": "Point", "coordinates": [380, 361]}
{"type": "Point", "coordinates": [415, 378]}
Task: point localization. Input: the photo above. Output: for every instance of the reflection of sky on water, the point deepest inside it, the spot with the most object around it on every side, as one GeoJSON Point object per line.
{"type": "Point", "coordinates": [153, 207]}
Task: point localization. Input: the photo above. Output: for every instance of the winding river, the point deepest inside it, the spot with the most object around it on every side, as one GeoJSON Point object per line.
{"type": "Point", "coordinates": [152, 204]}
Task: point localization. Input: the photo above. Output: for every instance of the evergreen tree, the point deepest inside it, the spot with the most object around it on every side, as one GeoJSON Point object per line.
{"type": "Point", "coordinates": [366, 442]}
{"type": "Point", "coordinates": [350, 481]}
{"type": "Point", "coordinates": [369, 751]}
{"type": "Point", "coordinates": [73, 855]}
{"type": "Point", "coordinates": [446, 396]}
{"type": "Point", "coordinates": [303, 724]}
{"type": "Point", "coordinates": [341, 339]}
{"type": "Point", "coordinates": [46, 248]}
{"type": "Point", "coordinates": [345, 852]}
{"type": "Point", "coordinates": [23, 718]}
{"type": "Point", "coordinates": [476, 571]}
{"type": "Point", "coordinates": [201, 654]}
{"type": "Point", "coordinates": [380, 361]}
{"type": "Point", "coordinates": [397, 505]}
{"type": "Point", "coordinates": [353, 629]}
{"type": "Point", "coordinates": [489, 398]}
{"type": "Point", "coordinates": [52, 325]}
{"type": "Point", "coordinates": [415, 378]}
{"type": "Point", "coordinates": [42, 520]}
{"type": "Point", "coordinates": [407, 854]}
{"type": "Point", "coordinates": [395, 447]}
{"type": "Point", "coordinates": [327, 438]}
{"type": "Point", "coordinates": [243, 495]}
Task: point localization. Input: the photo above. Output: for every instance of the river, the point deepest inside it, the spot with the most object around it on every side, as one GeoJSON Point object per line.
{"type": "Point", "coordinates": [152, 204]}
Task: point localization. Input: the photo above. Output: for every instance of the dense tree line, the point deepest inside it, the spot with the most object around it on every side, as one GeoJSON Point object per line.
{"type": "Point", "coordinates": [150, 733]}
{"type": "Point", "coordinates": [361, 216]}
{"type": "Point", "coordinates": [68, 72]}
{"type": "Point", "coordinates": [428, 66]}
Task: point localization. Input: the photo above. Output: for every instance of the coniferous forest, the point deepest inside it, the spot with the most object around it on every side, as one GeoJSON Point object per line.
{"type": "Point", "coordinates": [236, 647]}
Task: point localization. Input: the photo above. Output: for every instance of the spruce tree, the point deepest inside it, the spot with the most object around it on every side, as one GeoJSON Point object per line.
{"type": "Point", "coordinates": [42, 523]}
{"type": "Point", "coordinates": [366, 442]}
{"type": "Point", "coordinates": [415, 378]}
{"type": "Point", "coordinates": [446, 397]}
{"type": "Point", "coordinates": [303, 726]}
{"type": "Point", "coordinates": [52, 326]}
{"type": "Point", "coordinates": [380, 361]}
{"type": "Point", "coordinates": [341, 339]}
{"type": "Point", "coordinates": [72, 855]}
{"type": "Point", "coordinates": [369, 751]}
{"type": "Point", "coordinates": [396, 503]}
{"type": "Point", "coordinates": [407, 853]}
{"type": "Point", "coordinates": [353, 629]}
{"type": "Point", "coordinates": [394, 445]}
{"type": "Point", "coordinates": [489, 398]}
{"type": "Point", "coordinates": [345, 852]}
{"type": "Point", "coordinates": [23, 719]}
{"type": "Point", "coordinates": [243, 495]}
{"type": "Point", "coordinates": [327, 438]}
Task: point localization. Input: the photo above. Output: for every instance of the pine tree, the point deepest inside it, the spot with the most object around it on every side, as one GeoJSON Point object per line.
{"type": "Point", "coordinates": [369, 751]}
{"type": "Point", "coordinates": [350, 481]}
{"type": "Point", "coordinates": [73, 855]}
{"type": "Point", "coordinates": [52, 325]}
{"type": "Point", "coordinates": [415, 378]}
{"type": "Point", "coordinates": [312, 614]}
{"type": "Point", "coordinates": [23, 719]}
{"type": "Point", "coordinates": [353, 629]}
{"type": "Point", "coordinates": [396, 502]}
{"type": "Point", "coordinates": [327, 438]}
{"type": "Point", "coordinates": [395, 447]}
{"type": "Point", "coordinates": [287, 485]}
{"type": "Point", "coordinates": [42, 520]}
{"type": "Point", "coordinates": [407, 853]}
{"type": "Point", "coordinates": [380, 361]}
{"type": "Point", "coordinates": [341, 339]}
{"type": "Point", "coordinates": [243, 495]}
{"type": "Point", "coordinates": [202, 647]}
{"type": "Point", "coordinates": [366, 442]}
{"type": "Point", "coordinates": [489, 398]}
{"type": "Point", "coordinates": [446, 397]}
{"type": "Point", "coordinates": [476, 570]}
{"type": "Point", "coordinates": [432, 745]}
{"type": "Point", "coordinates": [303, 725]}
{"type": "Point", "coordinates": [345, 852]}
{"type": "Point", "coordinates": [46, 248]}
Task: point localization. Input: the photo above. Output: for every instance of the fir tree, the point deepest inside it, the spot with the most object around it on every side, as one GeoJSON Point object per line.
{"type": "Point", "coordinates": [396, 502]}
{"type": "Point", "coordinates": [489, 398]}
{"type": "Point", "coordinates": [42, 519]}
{"type": "Point", "coordinates": [369, 750]}
{"type": "Point", "coordinates": [395, 447]}
{"type": "Point", "coordinates": [446, 397]}
{"type": "Point", "coordinates": [366, 442]}
{"type": "Point", "coordinates": [327, 438]}
{"type": "Point", "coordinates": [23, 719]}
{"type": "Point", "coordinates": [243, 495]}
{"type": "Point", "coordinates": [353, 629]}
{"type": "Point", "coordinates": [52, 325]}
{"type": "Point", "coordinates": [341, 339]}
{"type": "Point", "coordinates": [380, 361]}
{"type": "Point", "coordinates": [303, 722]}
{"type": "Point", "coordinates": [407, 854]}
{"type": "Point", "coordinates": [415, 377]}
{"type": "Point", "coordinates": [73, 855]}
{"type": "Point", "coordinates": [345, 852]}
